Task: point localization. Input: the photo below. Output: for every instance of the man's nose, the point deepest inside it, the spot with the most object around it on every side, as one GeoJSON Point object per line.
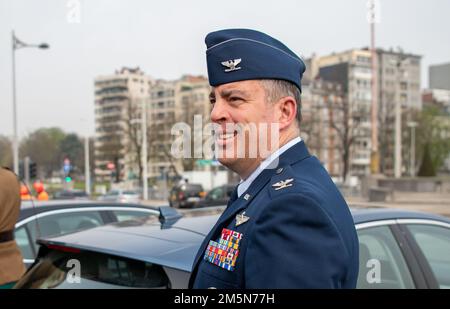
{"type": "Point", "coordinates": [219, 113]}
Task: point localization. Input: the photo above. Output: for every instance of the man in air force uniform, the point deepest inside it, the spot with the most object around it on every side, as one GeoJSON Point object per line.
{"type": "Point", "coordinates": [286, 224]}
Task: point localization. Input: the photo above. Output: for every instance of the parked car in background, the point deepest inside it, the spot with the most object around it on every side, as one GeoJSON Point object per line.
{"type": "Point", "coordinates": [218, 196]}
{"type": "Point", "coordinates": [398, 250]}
{"type": "Point", "coordinates": [53, 218]}
{"type": "Point", "coordinates": [121, 196]}
{"type": "Point", "coordinates": [186, 195]}
{"type": "Point", "coordinates": [70, 195]}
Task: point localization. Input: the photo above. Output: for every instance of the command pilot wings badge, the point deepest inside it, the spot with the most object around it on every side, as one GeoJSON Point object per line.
{"type": "Point", "coordinates": [241, 219]}
{"type": "Point", "coordinates": [232, 65]}
{"type": "Point", "coordinates": [283, 184]}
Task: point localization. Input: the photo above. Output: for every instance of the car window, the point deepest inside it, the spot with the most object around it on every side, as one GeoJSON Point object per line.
{"type": "Point", "coordinates": [96, 271]}
{"type": "Point", "coordinates": [114, 192]}
{"type": "Point", "coordinates": [23, 241]}
{"type": "Point", "coordinates": [434, 241]}
{"type": "Point", "coordinates": [381, 263]}
{"type": "Point", "coordinates": [62, 223]}
{"type": "Point", "coordinates": [215, 194]}
{"type": "Point", "coordinates": [80, 194]}
{"type": "Point", "coordinates": [124, 215]}
{"type": "Point", "coordinates": [130, 192]}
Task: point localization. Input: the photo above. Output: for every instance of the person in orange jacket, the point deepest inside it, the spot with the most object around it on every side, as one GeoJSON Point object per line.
{"type": "Point", "coordinates": [42, 194]}
{"type": "Point", "coordinates": [25, 193]}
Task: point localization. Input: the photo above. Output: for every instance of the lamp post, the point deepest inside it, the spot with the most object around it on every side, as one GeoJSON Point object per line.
{"type": "Point", "coordinates": [412, 168]}
{"type": "Point", "coordinates": [144, 150]}
{"type": "Point", "coordinates": [87, 170]}
{"type": "Point", "coordinates": [18, 44]}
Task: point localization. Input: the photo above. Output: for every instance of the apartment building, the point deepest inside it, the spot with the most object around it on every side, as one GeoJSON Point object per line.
{"type": "Point", "coordinates": [118, 102]}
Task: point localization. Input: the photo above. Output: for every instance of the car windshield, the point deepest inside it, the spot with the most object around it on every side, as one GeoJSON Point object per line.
{"type": "Point", "coordinates": [57, 269]}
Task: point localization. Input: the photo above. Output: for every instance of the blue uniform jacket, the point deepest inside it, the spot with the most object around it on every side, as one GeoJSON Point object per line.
{"type": "Point", "coordinates": [299, 232]}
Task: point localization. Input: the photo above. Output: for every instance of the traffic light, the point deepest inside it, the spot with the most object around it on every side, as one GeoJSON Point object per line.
{"type": "Point", "coordinates": [21, 170]}
{"type": "Point", "coordinates": [33, 170]}
{"type": "Point", "coordinates": [68, 178]}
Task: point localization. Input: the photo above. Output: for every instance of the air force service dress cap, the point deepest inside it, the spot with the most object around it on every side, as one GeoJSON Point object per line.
{"type": "Point", "coordinates": [243, 54]}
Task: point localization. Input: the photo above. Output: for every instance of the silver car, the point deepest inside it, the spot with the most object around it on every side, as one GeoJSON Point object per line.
{"type": "Point", "coordinates": [121, 196]}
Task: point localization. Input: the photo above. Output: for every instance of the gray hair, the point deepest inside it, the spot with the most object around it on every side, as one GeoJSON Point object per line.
{"type": "Point", "coordinates": [276, 89]}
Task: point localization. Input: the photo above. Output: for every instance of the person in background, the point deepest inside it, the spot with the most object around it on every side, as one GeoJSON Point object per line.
{"type": "Point", "coordinates": [11, 265]}
{"type": "Point", "coordinates": [25, 193]}
{"type": "Point", "coordinates": [42, 195]}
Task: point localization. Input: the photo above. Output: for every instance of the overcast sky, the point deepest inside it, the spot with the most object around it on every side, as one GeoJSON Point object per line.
{"type": "Point", "coordinates": [166, 39]}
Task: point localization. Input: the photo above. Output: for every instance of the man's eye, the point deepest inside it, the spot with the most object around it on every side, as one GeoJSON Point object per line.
{"type": "Point", "coordinates": [212, 101]}
{"type": "Point", "coordinates": [234, 99]}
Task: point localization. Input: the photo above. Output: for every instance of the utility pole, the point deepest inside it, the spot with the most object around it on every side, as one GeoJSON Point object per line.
{"type": "Point", "coordinates": [87, 170]}
{"type": "Point", "coordinates": [144, 149]}
{"type": "Point", "coordinates": [26, 170]}
{"type": "Point", "coordinates": [412, 168]}
{"type": "Point", "coordinates": [18, 44]}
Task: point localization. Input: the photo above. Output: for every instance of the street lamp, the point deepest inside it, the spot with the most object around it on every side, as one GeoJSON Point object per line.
{"type": "Point", "coordinates": [18, 44]}
{"type": "Point", "coordinates": [412, 168]}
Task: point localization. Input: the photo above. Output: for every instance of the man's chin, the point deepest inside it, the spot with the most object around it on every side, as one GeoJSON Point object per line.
{"type": "Point", "coordinates": [228, 162]}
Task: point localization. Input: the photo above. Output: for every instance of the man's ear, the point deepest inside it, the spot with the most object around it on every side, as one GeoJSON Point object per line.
{"type": "Point", "coordinates": [287, 111]}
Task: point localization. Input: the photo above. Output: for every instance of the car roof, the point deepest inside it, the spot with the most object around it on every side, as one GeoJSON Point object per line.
{"type": "Point", "coordinates": [175, 245]}
{"type": "Point", "coordinates": [31, 208]}
{"type": "Point", "coordinates": [363, 215]}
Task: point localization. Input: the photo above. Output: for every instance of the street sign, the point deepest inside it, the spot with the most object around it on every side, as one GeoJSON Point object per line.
{"type": "Point", "coordinates": [66, 166]}
{"type": "Point", "coordinates": [208, 162]}
{"type": "Point", "coordinates": [204, 162]}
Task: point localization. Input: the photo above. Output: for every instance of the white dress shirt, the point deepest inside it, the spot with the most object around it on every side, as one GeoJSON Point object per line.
{"type": "Point", "coordinates": [245, 184]}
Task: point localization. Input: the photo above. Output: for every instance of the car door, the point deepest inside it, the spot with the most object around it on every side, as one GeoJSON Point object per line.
{"type": "Point", "coordinates": [431, 243]}
{"type": "Point", "coordinates": [382, 264]}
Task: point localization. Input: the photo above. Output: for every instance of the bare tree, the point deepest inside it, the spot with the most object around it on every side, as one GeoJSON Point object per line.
{"type": "Point", "coordinates": [156, 139]}
{"type": "Point", "coordinates": [6, 157]}
{"type": "Point", "coordinates": [345, 120]}
{"type": "Point", "coordinates": [133, 130]}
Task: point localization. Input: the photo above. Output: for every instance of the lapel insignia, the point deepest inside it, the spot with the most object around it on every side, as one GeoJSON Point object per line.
{"type": "Point", "coordinates": [232, 65]}
{"type": "Point", "coordinates": [247, 197]}
{"type": "Point", "coordinates": [241, 219]}
{"type": "Point", "coordinates": [283, 184]}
